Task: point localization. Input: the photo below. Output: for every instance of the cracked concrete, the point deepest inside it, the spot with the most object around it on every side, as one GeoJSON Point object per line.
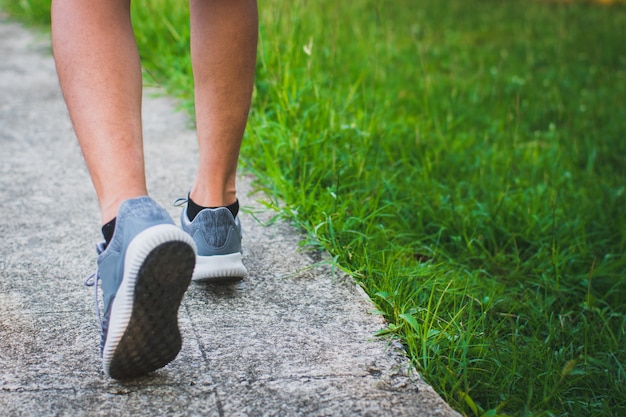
{"type": "Point", "coordinates": [292, 339]}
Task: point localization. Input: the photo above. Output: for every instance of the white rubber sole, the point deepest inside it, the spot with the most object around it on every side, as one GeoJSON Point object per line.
{"type": "Point", "coordinates": [137, 252]}
{"type": "Point", "coordinates": [219, 268]}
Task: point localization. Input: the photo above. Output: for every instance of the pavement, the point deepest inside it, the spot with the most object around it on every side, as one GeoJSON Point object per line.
{"type": "Point", "coordinates": [295, 338]}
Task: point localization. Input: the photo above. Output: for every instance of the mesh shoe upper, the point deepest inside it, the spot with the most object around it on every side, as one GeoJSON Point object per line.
{"type": "Point", "coordinates": [217, 235]}
{"type": "Point", "coordinates": [214, 231]}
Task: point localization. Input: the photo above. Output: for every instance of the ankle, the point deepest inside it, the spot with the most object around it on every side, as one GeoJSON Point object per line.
{"type": "Point", "coordinates": [111, 205]}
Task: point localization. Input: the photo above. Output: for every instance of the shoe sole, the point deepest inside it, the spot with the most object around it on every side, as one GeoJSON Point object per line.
{"type": "Point", "coordinates": [219, 268]}
{"type": "Point", "coordinates": [143, 332]}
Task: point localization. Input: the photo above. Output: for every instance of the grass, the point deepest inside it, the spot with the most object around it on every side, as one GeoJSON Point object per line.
{"type": "Point", "coordinates": [464, 161]}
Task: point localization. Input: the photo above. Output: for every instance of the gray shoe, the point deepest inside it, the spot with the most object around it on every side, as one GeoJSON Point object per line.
{"type": "Point", "coordinates": [144, 273]}
{"type": "Point", "coordinates": [217, 235]}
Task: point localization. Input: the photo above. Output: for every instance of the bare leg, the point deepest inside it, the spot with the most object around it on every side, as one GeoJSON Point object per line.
{"type": "Point", "coordinates": [100, 75]}
{"type": "Point", "coordinates": [223, 50]}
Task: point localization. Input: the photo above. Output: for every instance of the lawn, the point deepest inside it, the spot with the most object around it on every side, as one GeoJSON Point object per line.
{"type": "Point", "coordinates": [464, 160]}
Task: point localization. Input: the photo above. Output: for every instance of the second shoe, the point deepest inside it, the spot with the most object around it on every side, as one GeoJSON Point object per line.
{"type": "Point", "coordinates": [217, 235]}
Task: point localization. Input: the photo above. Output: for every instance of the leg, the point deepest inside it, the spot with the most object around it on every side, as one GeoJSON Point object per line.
{"type": "Point", "coordinates": [148, 262]}
{"type": "Point", "coordinates": [100, 75]}
{"type": "Point", "coordinates": [223, 50]}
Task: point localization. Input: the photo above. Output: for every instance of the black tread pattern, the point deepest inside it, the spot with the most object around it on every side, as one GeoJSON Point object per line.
{"type": "Point", "coordinates": [152, 338]}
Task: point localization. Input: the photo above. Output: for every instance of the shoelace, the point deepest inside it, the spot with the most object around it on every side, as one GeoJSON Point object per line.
{"type": "Point", "coordinates": [179, 202]}
{"type": "Point", "coordinates": [92, 281]}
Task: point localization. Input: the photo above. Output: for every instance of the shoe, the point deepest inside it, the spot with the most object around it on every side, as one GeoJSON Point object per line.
{"type": "Point", "coordinates": [144, 273]}
{"type": "Point", "coordinates": [217, 235]}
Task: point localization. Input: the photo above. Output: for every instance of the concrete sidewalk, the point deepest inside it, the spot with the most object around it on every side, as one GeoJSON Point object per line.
{"type": "Point", "coordinates": [291, 339]}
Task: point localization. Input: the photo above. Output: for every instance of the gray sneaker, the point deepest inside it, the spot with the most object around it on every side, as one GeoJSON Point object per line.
{"type": "Point", "coordinates": [144, 273]}
{"type": "Point", "coordinates": [217, 235]}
